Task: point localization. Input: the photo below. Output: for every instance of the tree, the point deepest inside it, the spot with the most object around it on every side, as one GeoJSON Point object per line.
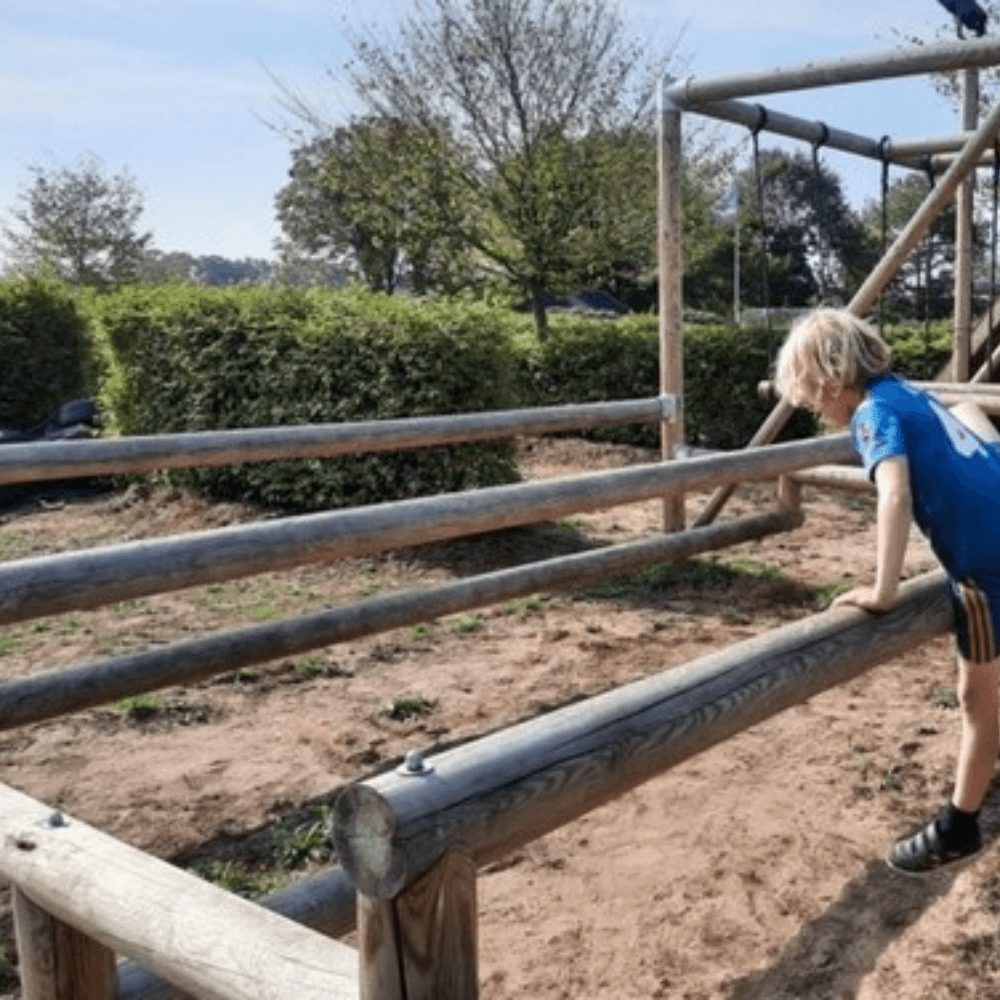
{"type": "Point", "coordinates": [815, 246]}
{"type": "Point", "coordinates": [924, 286]}
{"type": "Point", "coordinates": [78, 225]}
{"type": "Point", "coordinates": [379, 194]}
{"type": "Point", "coordinates": [520, 84]}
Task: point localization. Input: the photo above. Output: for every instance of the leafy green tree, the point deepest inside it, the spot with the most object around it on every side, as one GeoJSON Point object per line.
{"type": "Point", "coordinates": [924, 286]}
{"type": "Point", "coordinates": [521, 84]}
{"type": "Point", "coordinates": [816, 247]}
{"type": "Point", "coordinates": [379, 194]}
{"type": "Point", "coordinates": [79, 225]}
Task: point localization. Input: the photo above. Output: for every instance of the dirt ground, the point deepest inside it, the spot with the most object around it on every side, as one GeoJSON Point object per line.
{"type": "Point", "coordinates": [753, 871]}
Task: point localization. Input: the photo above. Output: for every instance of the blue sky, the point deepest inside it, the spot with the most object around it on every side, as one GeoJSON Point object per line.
{"type": "Point", "coordinates": [176, 91]}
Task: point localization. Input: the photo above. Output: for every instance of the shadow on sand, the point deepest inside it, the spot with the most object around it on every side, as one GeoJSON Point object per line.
{"type": "Point", "coordinates": [832, 954]}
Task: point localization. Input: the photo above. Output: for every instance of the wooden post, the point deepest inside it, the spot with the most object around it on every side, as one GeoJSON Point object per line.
{"type": "Point", "coordinates": [963, 238]}
{"type": "Point", "coordinates": [671, 299]}
{"type": "Point", "coordinates": [422, 944]}
{"type": "Point", "coordinates": [56, 961]}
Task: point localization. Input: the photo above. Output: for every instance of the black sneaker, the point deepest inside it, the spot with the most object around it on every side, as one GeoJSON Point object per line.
{"type": "Point", "coordinates": [926, 851]}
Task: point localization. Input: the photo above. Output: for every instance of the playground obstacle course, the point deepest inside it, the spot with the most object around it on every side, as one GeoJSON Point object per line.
{"type": "Point", "coordinates": [411, 843]}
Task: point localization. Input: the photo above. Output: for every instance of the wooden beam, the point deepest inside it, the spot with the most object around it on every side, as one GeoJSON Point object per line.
{"type": "Point", "coordinates": [199, 937]}
{"type": "Point", "coordinates": [70, 689]}
{"type": "Point", "coordinates": [422, 945]}
{"type": "Point", "coordinates": [197, 449]}
{"type": "Point", "coordinates": [50, 584]}
{"type": "Point", "coordinates": [54, 960]}
{"type": "Point", "coordinates": [497, 793]}
{"type": "Point", "coordinates": [326, 902]}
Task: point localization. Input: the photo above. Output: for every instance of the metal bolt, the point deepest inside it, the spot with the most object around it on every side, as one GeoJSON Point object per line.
{"type": "Point", "coordinates": [414, 765]}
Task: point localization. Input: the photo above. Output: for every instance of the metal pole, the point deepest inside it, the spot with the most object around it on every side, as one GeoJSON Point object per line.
{"type": "Point", "coordinates": [690, 93]}
{"type": "Point", "coordinates": [671, 295]}
{"type": "Point", "coordinates": [963, 237]}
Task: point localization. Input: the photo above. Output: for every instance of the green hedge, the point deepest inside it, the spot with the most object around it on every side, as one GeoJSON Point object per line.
{"type": "Point", "coordinates": [199, 359]}
{"type": "Point", "coordinates": [586, 360]}
{"type": "Point", "coordinates": [44, 351]}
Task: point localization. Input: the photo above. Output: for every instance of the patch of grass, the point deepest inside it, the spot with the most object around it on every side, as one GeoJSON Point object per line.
{"type": "Point", "coordinates": [306, 842]}
{"type": "Point", "coordinates": [465, 624]}
{"type": "Point", "coordinates": [140, 706]}
{"type": "Point", "coordinates": [755, 568]}
{"type": "Point", "coordinates": [68, 626]}
{"type": "Point", "coordinates": [698, 574]}
{"type": "Point", "coordinates": [309, 666]}
{"type": "Point", "coordinates": [826, 593]}
{"type": "Point", "coordinates": [245, 675]}
{"type": "Point", "coordinates": [408, 707]}
{"type": "Point", "coordinates": [266, 612]}
{"type": "Point", "coordinates": [421, 632]}
{"type": "Point", "coordinates": [236, 878]}
{"type": "Point", "coordinates": [8, 645]}
{"type": "Point", "coordinates": [522, 604]}
{"type": "Point", "coordinates": [944, 697]}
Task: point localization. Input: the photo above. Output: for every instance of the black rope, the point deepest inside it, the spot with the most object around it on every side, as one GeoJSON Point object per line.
{"type": "Point", "coordinates": [883, 148]}
{"type": "Point", "coordinates": [824, 135]}
{"type": "Point", "coordinates": [765, 280]}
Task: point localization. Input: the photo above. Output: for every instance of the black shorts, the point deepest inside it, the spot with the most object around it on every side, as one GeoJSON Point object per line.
{"type": "Point", "coordinates": [977, 620]}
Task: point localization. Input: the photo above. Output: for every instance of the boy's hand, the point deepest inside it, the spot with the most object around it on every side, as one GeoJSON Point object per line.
{"type": "Point", "coordinates": [866, 598]}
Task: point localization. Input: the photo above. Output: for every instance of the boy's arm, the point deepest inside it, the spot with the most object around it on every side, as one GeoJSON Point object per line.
{"type": "Point", "coordinates": [892, 478]}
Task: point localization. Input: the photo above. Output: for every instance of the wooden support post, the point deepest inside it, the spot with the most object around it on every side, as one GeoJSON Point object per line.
{"type": "Point", "coordinates": [963, 238]}
{"type": "Point", "coordinates": [422, 944]}
{"type": "Point", "coordinates": [56, 961]}
{"type": "Point", "coordinates": [789, 494]}
{"type": "Point", "coordinates": [671, 300]}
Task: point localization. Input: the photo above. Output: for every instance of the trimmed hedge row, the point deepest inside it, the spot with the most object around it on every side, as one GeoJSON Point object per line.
{"type": "Point", "coordinates": [201, 359]}
{"type": "Point", "coordinates": [179, 358]}
{"type": "Point", "coordinates": [45, 356]}
{"type": "Point", "coordinates": [588, 360]}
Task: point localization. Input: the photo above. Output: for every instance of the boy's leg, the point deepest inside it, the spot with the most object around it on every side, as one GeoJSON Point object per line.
{"type": "Point", "coordinates": [980, 741]}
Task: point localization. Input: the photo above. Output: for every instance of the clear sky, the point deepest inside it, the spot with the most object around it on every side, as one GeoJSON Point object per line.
{"type": "Point", "coordinates": [177, 92]}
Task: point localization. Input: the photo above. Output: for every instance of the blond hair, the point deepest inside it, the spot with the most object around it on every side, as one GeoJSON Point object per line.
{"type": "Point", "coordinates": [828, 351]}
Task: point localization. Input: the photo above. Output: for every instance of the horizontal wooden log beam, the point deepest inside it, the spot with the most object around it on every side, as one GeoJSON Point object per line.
{"type": "Point", "coordinates": [199, 937]}
{"type": "Point", "coordinates": [835, 476]}
{"type": "Point", "coordinates": [326, 902]}
{"type": "Point", "coordinates": [129, 455]}
{"type": "Point", "coordinates": [51, 584]}
{"type": "Point", "coordinates": [70, 689]}
{"type": "Point", "coordinates": [494, 795]}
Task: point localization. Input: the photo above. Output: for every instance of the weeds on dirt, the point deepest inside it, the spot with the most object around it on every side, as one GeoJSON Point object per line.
{"type": "Point", "coordinates": [308, 667]}
{"type": "Point", "coordinates": [521, 605]}
{"type": "Point", "coordinates": [466, 624]}
{"type": "Point", "coordinates": [236, 878]}
{"type": "Point", "coordinates": [826, 593]}
{"type": "Point", "coordinates": [944, 697]}
{"type": "Point", "coordinates": [409, 707]}
{"type": "Point", "coordinates": [306, 842]}
{"type": "Point", "coordinates": [140, 706]}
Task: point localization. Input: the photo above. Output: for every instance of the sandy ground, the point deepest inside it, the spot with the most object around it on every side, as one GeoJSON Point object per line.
{"type": "Point", "coordinates": [752, 871]}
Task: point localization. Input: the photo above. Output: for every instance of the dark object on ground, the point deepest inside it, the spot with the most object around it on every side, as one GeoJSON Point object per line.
{"type": "Point", "coordinates": [76, 419]}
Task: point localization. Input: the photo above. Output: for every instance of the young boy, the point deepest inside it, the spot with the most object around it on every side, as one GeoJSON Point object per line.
{"type": "Point", "coordinates": [944, 467]}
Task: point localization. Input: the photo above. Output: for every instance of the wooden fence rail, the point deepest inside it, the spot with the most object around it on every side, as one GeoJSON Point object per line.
{"type": "Point", "coordinates": [46, 585]}
{"type": "Point", "coordinates": [81, 896]}
{"type": "Point", "coordinates": [69, 689]}
{"type": "Point", "coordinates": [147, 453]}
{"type": "Point", "coordinates": [503, 790]}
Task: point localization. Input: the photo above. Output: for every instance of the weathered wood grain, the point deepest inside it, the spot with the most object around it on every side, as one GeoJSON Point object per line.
{"type": "Point", "coordinates": [501, 791]}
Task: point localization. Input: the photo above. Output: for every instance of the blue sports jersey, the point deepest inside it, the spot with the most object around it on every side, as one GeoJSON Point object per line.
{"type": "Point", "coordinates": [954, 476]}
